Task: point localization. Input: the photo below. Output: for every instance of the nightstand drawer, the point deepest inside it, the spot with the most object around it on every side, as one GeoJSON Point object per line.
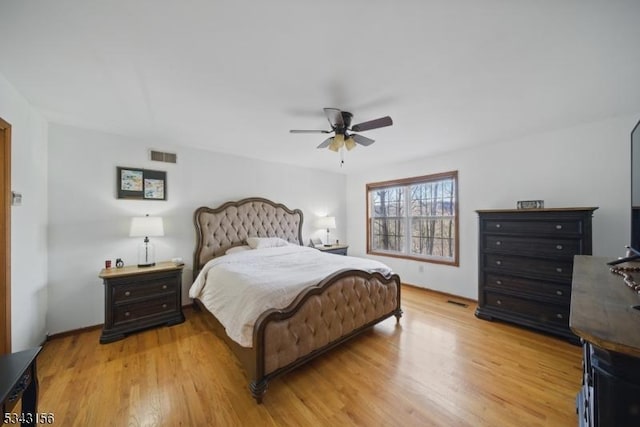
{"type": "Point", "coordinates": [143, 289]}
{"type": "Point", "coordinates": [334, 249]}
{"type": "Point", "coordinates": [140, 310]}
{"type": "Point", "coordinates": [338, 251]}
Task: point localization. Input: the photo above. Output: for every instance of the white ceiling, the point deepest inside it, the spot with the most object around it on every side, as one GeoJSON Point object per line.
{"type": "Point", "coordinates": [235, 76]}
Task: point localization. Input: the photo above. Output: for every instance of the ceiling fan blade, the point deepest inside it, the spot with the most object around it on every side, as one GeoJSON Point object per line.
{"type": "Point", "coordinates": [334, 116]}
{"type": "Point", "coordinates": [325, 143]}
{"type": "Point", "coordinates": [372, 124]}
{"type": "Point", "coordinates": [308, 131]}
{"type": "Point", "coordinates": [362, 140]}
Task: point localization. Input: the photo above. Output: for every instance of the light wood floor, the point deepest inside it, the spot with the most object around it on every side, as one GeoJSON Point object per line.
{"type": "Point", "coordinates": [440, 366]}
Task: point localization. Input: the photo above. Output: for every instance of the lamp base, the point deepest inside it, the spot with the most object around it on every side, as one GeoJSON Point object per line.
{"type": "Point", "coordinates": [147, 265]}
{"type": "Point", "coordinates": [146, 254]}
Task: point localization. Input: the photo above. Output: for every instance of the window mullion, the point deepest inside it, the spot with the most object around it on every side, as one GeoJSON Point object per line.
{"type": "Point", "coordinates": [407, 220]}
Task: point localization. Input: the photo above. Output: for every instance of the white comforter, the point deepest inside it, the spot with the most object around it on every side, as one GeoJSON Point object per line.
{"type": "Point", "coordinates": [237, 288]}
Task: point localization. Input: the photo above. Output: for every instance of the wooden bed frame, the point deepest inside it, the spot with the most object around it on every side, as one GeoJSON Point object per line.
{"type": "Point", "coordinates": [320, 318]}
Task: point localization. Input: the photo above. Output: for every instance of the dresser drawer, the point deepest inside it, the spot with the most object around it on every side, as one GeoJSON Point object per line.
{"type": "Point", "coordinates": [124, 293]}
{"type": "Point", "coordinates": [539, 312]}
{"type": "Point", "coordinates": [559, 227]}
{"type": "Point", "coordinates": [554, 292]}
{"type": "Point", "coordinates": [142, 309]}
{"type": "Point", "coordinates": [555, 247]}
{"type": "Point", "coordinates": [560, 270]}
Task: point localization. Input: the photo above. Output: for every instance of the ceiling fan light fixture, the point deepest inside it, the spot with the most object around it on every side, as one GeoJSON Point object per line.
{"type": "Point", "coordinates": [349, 143]}
{"type": "Point", "coordinates": [334, 146]}
{"type": "Point", "coordinates": [337, 143]}
{"type": "Point", "coordinates": [340, 122]}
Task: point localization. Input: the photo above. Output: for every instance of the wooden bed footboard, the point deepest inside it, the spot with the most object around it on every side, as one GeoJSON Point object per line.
{"type": "Point", "coordinates": [337, 309]}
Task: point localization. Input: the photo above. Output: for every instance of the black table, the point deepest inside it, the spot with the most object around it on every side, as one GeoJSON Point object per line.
{"type": "Point", "coordinates": [19, 380]}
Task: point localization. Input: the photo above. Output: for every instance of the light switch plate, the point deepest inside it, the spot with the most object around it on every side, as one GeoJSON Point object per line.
{"type": "Point", "coordinates": [16, 199]}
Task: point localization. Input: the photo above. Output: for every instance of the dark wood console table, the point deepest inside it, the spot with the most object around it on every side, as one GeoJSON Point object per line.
{"type": "Point", "coordinates": [605, 314]}
{"type": "Point", "coordinates": [19, 380]}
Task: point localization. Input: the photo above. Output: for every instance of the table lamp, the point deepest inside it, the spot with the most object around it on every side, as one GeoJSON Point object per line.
{"type": "Point", "coordinates": [327, 222]}
{"type": "Point", "coordinates": [146, 226]}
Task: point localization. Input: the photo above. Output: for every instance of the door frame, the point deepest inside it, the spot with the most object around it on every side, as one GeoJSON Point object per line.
{"type": "Point", "coordinates": [5, 238]}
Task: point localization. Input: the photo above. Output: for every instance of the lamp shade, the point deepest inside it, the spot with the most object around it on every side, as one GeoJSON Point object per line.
{"type": "Point", "coordinates": [146, 226]}
{"type": "Point", "coordinates": [326, 222]}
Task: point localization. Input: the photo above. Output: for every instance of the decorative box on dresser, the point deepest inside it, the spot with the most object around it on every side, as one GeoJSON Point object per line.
{"type": "Point", "coordinates": [137, 298]}
{"type": "Point", "coordinates": [605, 314]}
{"type": "Point", "coordinates": [525, 265]}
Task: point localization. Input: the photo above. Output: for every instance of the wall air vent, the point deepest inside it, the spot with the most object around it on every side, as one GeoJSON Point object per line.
{"type": "Point", "coordinates": [159, 156]}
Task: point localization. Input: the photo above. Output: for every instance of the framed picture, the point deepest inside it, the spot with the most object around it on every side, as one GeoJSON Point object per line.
{"type": "Point", "coordinates": [141, 184]}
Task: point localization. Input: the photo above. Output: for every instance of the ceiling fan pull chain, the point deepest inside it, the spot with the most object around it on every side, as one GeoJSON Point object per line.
{"type": "Point", "coordinates": [341, 156]}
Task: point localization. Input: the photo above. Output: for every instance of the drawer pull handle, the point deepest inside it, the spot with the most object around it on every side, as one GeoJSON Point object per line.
{"type": "Point", "coordinates": [499, 302]}
{"type": "Point", "coordinates": [498, 225]}
{"type": "Point", "coordinates": [498, 282]}
{"type": "Point", "coordinates": [498, 243]}
{"type": "Point", "coordinates": [498, 262]}
{"type": "Point", "coordinates": [559, 269]}
{"type": "Point", "coordinates": [559, 247]}
{"type": "Point", "coordinates": [126, 294]}
{"type": "Point", "coordinates": [558, 227]}
{"type": "Point", "coordinates": [559, 292]}
{"type": "Point", "coordinates": [164, 286]}
{"type": "Point", "coordinates": [127, 314]}
{"type": "Point", "coordinates": [559, 316]}
{"type": "Point", "coordinates": [164, 305]}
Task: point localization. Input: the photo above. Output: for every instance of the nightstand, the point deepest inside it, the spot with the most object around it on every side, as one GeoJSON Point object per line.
{"type": "Point", "coordinates": [137, 298]}
{"type": "Point", "coordinates": [334, 249]}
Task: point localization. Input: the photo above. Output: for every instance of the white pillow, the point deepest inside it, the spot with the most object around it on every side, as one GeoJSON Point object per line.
{"type": "Point", "coordinates": [236, 249]}
{"type": "Point", "coordinates": [265, 242]}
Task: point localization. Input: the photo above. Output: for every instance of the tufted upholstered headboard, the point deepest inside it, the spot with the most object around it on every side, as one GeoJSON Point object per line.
{"type": "Point", "coordinates": [229, 225]}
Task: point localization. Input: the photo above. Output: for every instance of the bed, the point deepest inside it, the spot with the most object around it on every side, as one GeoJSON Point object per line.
{"type": "Point", "coordinates": [321, 315]}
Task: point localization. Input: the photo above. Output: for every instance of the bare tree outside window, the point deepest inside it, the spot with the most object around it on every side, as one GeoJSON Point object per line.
{"type": "Point", "coordinates": [415, 218]}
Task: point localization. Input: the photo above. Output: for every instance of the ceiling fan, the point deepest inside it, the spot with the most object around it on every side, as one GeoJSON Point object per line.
{"type": "Point", "coordinates": [340, 122]}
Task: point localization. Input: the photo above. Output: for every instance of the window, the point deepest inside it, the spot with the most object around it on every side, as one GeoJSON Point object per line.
{"type": "Point", "coordinates": [415, 218]}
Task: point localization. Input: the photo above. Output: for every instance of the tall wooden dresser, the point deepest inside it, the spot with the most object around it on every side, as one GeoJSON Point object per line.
{"type": "Point", "coordinates": [525, 265]}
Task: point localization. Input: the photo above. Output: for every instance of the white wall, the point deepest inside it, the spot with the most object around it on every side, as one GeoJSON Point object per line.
{"type": "Point", "coordinates": [69, 188]}
{"type": "Point", "coordinates": [29, 221]}
{"type": "Point", "coordinates": [588, 165]}
{"type": "Point", "coordinates": [88, 224]}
